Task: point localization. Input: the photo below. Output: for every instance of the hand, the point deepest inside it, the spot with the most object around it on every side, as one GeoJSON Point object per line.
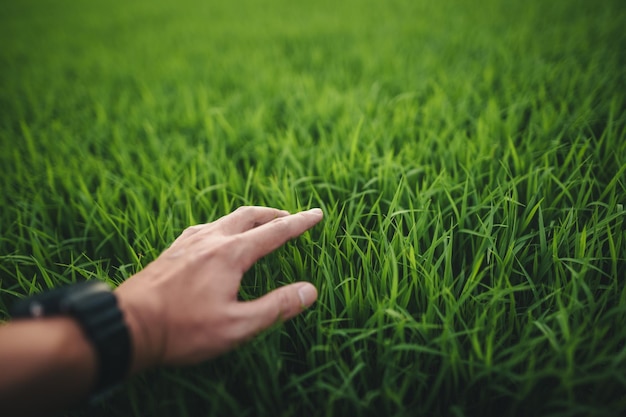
{"type": "Point", "coordinates": [183, 308]}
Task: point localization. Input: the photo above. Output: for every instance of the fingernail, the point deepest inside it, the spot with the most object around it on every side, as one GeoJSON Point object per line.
{"type": "Point", "coordinates": [307, 294]}
{"type": "Point", "coordinates": [316, 211]}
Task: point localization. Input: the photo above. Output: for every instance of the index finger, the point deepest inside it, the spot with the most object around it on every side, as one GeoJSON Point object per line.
{"type": "Point", "coordinates": [264, 239]}
{"type": "Point", "coordinates": [248, 217]}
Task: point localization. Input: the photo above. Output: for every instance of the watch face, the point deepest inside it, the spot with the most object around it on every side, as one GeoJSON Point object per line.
{"type": "Point", "coordinates": [54, 302]}
{"type": "Point", "coordinates": [44, 304]}
{"type": "Point", "coordinates": [36, 309]}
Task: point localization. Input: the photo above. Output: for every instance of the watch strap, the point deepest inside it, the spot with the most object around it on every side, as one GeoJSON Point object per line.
{"type": "Point", "coordinates": [101, 319]}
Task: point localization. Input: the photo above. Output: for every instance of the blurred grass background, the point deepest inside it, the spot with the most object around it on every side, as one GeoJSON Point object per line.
{"type": "Point", "coordinates": [469, 157]}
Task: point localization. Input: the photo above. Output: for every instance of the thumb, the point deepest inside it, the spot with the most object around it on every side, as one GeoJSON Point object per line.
{"type": "Point", "coordinates": [279, 305]}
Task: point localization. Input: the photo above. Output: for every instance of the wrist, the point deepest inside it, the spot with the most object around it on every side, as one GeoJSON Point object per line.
{"type": "Point", "coordinates": [141, 316]}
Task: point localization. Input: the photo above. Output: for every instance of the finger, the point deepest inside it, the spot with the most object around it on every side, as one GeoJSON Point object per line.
{"type": "Point", "coordinates": [260, 241]}
{"type": "Point", "coordinates": [279, 305]}
{"type": "Point", "coordinates": [248, 217]}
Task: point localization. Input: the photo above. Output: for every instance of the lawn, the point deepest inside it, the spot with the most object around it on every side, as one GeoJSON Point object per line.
{"type": "Point", "coordinates": [470, 158]}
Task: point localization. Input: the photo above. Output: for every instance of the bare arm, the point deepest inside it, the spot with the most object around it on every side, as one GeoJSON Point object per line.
{"type": "Point", "coordinates": [44, 364]}
{"type": "Point", "coordinates": [181, 309]}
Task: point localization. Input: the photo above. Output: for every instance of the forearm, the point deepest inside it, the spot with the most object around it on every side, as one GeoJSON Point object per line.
{"type": "Point", "coordinates": [45, 364]}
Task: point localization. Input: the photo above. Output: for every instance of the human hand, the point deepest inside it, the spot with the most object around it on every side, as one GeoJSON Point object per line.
{"type": "Point", "coordinates": [183, 308]}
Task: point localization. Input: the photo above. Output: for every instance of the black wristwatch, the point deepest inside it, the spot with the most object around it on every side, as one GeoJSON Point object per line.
{"type": "Point", "coordinates": [94, 306]}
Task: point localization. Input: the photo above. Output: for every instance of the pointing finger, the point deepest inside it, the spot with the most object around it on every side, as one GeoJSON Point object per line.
{"type": "Point", "coordinates": [262, 240]}
{"type": "Point", "coordinates": [248, 217]}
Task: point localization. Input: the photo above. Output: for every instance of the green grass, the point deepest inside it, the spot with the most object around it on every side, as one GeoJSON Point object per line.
{"type": "Point", "coordinates": [470, 158]}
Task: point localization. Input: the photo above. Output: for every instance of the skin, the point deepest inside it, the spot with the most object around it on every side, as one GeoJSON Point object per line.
{"type": "Point", "coordinates": [181, 309]}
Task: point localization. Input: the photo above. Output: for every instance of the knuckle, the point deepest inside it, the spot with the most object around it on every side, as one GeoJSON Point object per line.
{"type": "Point", "coordinates": [230, 243]}
{"type": "Point", "coordinates": [242, 209]}
{"type": "Point", "coordinates": [227, 248]}
{"type": "Point", "coordinates": [281, 224]}
{"type": "Point", "coordinates": [284, 303]}
{"type": "Point", "coordinates": [216, 252]}
{"type": "Point", "coordinates": [190, 230]}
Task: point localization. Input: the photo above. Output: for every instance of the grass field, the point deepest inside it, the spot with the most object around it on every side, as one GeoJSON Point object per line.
{"type": "Point", "coordinates": [470, 158]}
